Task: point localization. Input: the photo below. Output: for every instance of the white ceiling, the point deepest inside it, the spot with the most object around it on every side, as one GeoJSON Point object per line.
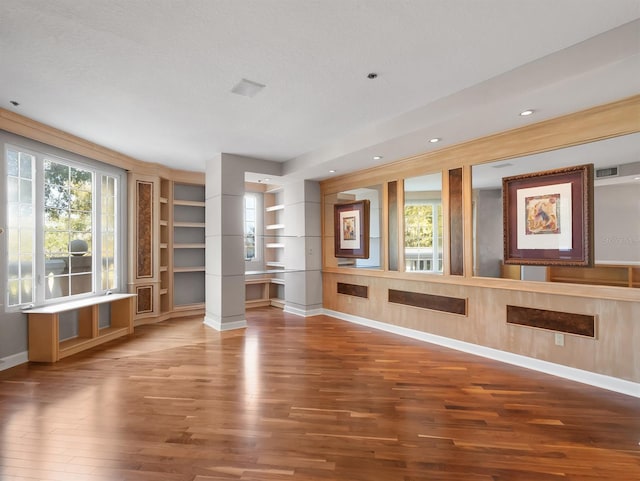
{"type": "Point", "coordinates": [152, 78]}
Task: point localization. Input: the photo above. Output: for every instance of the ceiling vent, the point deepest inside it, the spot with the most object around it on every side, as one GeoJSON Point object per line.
{"type": "Point", "coordinates": [606, 172]}
{"type": "Point", "coordinates": [247, 88]}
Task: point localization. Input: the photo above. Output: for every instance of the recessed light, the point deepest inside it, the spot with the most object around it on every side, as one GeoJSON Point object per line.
{"type": "Point", "coordinates": [501, 166]}
{"type": "Point", "coordinates": [524, 113]}
{"type": "Point", "coordinates": [434, 140]}
{"type": "Point", "coordinates": [266, 180]}
{"type": "Point", "coordinates": [372, 76]}
{"type": "Point", "coordinates": [377, 157]}
{"type": "Point", "coordinates": [332, 171]}
{"type": "Point", "coordinates": [636, 178]}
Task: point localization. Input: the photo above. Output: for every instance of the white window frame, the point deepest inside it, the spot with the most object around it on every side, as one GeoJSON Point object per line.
{"type": "Point", "coordinates": [42, 152]}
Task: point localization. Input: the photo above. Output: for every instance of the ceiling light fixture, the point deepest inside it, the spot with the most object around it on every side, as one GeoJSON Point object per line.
{"type": "Point", "coordinates": [435, 140]}
{"type": "Point", "coordinates": [247, 88]}
{"type": "Point", "coordinates": [527, 112]}
{"type": "Point", "coordinates": [332, 171]}
{"type": "Point", "coordinates": [377, 157]}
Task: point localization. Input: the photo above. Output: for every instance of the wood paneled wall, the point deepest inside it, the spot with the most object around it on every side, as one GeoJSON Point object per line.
{"type": "Point", "coordinates": [613, 351]}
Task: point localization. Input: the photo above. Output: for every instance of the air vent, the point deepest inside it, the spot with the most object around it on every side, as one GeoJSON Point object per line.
{"type": "Point", "coordinates": [606, 172]}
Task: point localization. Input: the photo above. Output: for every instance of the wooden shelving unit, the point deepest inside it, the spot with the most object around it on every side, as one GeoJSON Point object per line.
{"type": "Point", "coordinates": [188, 247]}
{"type": "Point", "coordinates": [166, 239]}
{"type": "Point", "coordinates": [44, 326]}
{"type": "Point", "coordinates": [274, 246]}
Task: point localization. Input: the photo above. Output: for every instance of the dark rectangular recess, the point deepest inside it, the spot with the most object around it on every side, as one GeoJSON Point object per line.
{"type": "Point", "coordinates": [353, 290]}
{"type": "Point", "coordinates": [453, 305]}
{"type": "Point", "coordinates": [456, 222]}
{"type": "Point", "coordinates": [392, 206]}
{"type": "Point", "coordinates": [580, 324]}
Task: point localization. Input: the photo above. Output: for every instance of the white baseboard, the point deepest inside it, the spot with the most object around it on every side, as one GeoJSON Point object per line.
{"type": "Point", "coordinates": [598, 380]}
{"type": "Point", "coordinates": [302, 312]}
{"type": "Point", "coordinates": [14, 360]}
{"type": "Point", "coordinates": [226, 326]}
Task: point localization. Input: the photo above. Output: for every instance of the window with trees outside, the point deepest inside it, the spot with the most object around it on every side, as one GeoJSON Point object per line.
{"type": "Point", "coordinates": [423, 236]}
{"type": "Point", "coordinates": [63, 236]}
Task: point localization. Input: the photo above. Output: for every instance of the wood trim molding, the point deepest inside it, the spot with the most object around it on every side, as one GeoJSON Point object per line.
{"type": "Point", "coordinates": [596, 123]}
{"type": "Point", "coordinates": [32, 129]}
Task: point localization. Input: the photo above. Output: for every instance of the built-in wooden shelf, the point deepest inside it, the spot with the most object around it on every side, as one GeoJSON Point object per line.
{"type": "Point", "coordinates": [199, 225]}
{"type": "Point", "coordinates": [189, 269]}
{"type": "Point", "coordinates": [274, 226]}
{"type": "Point", "coordinates": [190, 203]}
{"type": "Point", "coordinates": [619, 275]}
{"type": "Point", "coordinates": [189, 246]}
{"type": "Point", "coordinates": [44, 326]}
{"type": "Point", "coordinates": [274, 264]}
{"type": "Point", "coordinates": [274, 208]}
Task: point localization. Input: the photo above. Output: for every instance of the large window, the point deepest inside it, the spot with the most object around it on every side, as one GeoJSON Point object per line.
{"type": "Point", "coordinates": [63, 231]}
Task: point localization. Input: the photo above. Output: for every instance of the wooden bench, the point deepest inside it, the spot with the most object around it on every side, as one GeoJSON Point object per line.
{"type": "Point", "coordinates": [265, 298]}
{"type": "Point", "coordinates": [44, 326]}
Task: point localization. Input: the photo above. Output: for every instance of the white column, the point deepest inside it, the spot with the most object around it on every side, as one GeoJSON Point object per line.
{"type": "Point", "coordinates": [303, 248]}
{"type": "Point", "coordinates": [225, 288]}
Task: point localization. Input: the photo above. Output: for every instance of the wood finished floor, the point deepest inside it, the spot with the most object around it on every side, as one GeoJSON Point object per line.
{"type": "Point", "coordinates": [313, 399]}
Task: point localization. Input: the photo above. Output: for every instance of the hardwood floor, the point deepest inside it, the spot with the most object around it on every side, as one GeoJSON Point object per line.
{"type": "Point", "coordinates": [313, 399]}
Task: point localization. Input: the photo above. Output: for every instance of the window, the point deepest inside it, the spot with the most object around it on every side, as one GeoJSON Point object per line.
{"type": "Point", "coordinates": [62, 227]}
{"type": "Point", "coordinates": [423, 236]}
{"type": "Point", "coordinates": [250, 222]}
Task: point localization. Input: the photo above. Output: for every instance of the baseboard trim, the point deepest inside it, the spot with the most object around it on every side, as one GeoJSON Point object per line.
{"type": "Point", "coordinates": [14, 360]}
{"type": "Point", "coordinates": [303, 312]}
{"type": "Point", "coordinates": [226, 326]}
{"type": "Point", "coordinates": [593, 379]}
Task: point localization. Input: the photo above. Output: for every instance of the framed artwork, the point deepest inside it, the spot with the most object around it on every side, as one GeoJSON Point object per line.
{"type": "Point", "coordinates": [548, 217]}
{"type": "Point", "coordinates": [351, 229]}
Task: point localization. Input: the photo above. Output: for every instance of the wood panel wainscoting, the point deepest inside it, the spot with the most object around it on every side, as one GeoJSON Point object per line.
{"type": "Point", "coordinates": [322, 400]}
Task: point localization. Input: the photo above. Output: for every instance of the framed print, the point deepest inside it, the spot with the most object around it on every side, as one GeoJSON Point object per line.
{"type": "Point", "coordinates": [548, 217]}
{"type": "Point", "coordinates": [351, 229]}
